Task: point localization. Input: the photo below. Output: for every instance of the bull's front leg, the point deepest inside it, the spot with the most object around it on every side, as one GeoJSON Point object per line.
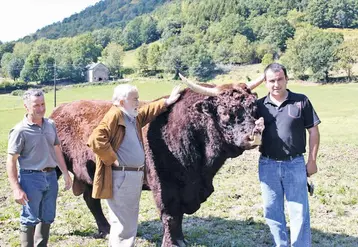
{"type": "Point", "coordinates": [96, 209]}
{"type": "Point", "coordinates": [172, 231]}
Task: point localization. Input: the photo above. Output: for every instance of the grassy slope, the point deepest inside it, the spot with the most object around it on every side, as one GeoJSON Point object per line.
{"type": "Point", "coordinates": [232, 216]}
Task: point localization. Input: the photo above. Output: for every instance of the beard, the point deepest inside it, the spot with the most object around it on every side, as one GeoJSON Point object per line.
{"type": "Point", "coordinates": [130, 111]}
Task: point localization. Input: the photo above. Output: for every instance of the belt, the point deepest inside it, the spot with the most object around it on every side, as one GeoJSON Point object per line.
{"type": "Point", "coordinates": [46, 169]}
{"type": "Point", "coordinates": [128, 168]}
{"type": "Point", "coordinates": [289, 157]}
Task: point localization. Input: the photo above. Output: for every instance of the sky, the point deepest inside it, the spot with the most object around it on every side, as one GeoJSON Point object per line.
{"type": "Point", "coordinates": [19, 18]}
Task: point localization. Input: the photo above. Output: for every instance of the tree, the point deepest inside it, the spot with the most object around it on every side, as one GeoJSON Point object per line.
{"type": "Point", "coordinates": [273, 31]}
{"type": "Point", "coordinates": [312, 49]}
{"type": "Point", "coordinates": [6, 47]}
{"type": "Point", "coordinates": [29, 71]}
{"type": "Point", "coordinates": [142, 57]}
{"type": "Point", "coordinates": [222, 52]}
{"type": "Point", "coordinates": [45, 72]}
{"type": "Point", "coordinates": [154, 55]}
{"type": "Point", "coordinates": [5, 61]}
{"type": "Point", "coordinates": [112, 57]}
{"type": "Point", "coordinates": [148, 30]}
{"type": "Point", "coordinates": [267, 59]}
{"type": "Point", "coordinates": [173, 60]}
{"type": "Point", "coordinates": [131, 37]}
{"type": "Point", "coordinates": [348, 56]}
{"type": "Point", "coordinates": [15, 66]}
{"type": "Point", "coordinates": [317, 13]}
{"type": "Point", "coordinates": [201, 63]}
{"type": "Point", "coordinates": [242, 50]}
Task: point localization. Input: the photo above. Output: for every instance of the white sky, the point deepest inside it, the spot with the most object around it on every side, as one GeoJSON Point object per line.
{"type": "Point", "coordinates": [19, 18]}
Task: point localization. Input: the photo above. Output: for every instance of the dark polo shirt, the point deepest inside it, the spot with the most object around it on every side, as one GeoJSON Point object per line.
{"type": "Point", "coordinates": [285, 125]}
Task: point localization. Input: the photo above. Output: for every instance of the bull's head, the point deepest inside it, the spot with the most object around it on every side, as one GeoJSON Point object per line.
{"type": "Point", "coordinates": [233, 107]}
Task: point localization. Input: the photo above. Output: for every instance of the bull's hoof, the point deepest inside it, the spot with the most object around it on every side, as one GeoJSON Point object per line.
{"type": "Point", "coordinates": [101, 234]}
{"type": "Point", "coordinates": [179, 243]}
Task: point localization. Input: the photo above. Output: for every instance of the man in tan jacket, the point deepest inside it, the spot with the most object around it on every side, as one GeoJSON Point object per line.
{"type": "Point", "coordinates": [118, 145]}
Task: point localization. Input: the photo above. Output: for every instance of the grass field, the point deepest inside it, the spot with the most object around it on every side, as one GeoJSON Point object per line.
{"type": "Point", "coordinates": [232, 216]}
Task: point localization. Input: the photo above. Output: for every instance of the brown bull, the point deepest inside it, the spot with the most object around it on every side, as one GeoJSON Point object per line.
{"type": "Point", "coordinates": [185, 147]}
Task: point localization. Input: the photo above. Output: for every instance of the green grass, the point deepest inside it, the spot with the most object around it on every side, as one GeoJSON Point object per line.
{"type": "Point", "coordinates": [232, 216]}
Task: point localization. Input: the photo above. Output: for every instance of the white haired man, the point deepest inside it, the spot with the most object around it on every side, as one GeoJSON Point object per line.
{"type": "Point", "coordinates": [118, 144]}
{"type": "Point", "coordinates": [34, 144]}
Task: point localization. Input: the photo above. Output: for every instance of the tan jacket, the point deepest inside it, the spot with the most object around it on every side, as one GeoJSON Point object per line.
{"type": "Point", "coordinates": [106, 139]}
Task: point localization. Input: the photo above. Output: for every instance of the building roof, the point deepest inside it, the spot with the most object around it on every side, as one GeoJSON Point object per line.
{"type": "Point", "coordinates": [93, 65]}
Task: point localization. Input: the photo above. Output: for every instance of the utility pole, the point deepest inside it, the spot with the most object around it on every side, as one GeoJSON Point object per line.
{"type": "Point", "coordinates": [54, 84]}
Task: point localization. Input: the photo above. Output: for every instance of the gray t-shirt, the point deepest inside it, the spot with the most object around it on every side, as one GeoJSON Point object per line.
{"type": "Point", "coordinates": [130, 152]}
{"type": "Point", "coordinates": [34, 144]}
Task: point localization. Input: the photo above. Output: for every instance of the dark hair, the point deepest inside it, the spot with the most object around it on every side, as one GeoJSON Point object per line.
{"type": "Point", "coordinates": [276, 67]}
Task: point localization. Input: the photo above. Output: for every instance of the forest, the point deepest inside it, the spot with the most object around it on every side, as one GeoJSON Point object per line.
{"type": "Point", "coordinates": [190, 36]}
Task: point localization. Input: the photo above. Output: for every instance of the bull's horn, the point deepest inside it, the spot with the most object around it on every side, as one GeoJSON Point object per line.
{"type": "Point", "coordinates": [213, 91]}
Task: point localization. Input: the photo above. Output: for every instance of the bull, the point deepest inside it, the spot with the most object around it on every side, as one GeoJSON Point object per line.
{"type": "Point", "coordinates": [184, 146]}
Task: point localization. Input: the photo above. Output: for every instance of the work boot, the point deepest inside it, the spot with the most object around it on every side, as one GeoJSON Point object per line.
{"type": "Point", "coordinates": [42, 233]}
{"type": "Point", "coordinates": [27, 235]}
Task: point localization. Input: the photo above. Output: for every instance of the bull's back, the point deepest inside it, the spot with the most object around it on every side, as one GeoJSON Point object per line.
{"type": "Point", "coordinates": [75, 122]}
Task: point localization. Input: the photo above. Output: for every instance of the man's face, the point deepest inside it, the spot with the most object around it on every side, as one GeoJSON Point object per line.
{"type": "Point", "coordinates": [131, 104]}
{"type": "Point", "coordinates": [36, 107]}
{"type": "Point", "coordinates": [276, 82]}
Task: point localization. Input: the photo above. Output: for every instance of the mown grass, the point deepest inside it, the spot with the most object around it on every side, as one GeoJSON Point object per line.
{"type": "Point", "coordinates": [232, 216]}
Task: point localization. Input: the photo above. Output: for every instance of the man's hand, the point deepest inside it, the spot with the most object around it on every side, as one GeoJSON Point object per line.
{"type": "Point", "coordinates": [174, 96]}
{"type": "Point", "coordinates": [20, 196]}
{"type": "Point", "coordinates": [311, 168]}
{"type": "Point", "coordinates": [68, 181]}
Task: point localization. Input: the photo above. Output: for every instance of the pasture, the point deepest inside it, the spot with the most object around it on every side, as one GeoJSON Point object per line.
{"type": "Point", "coordinates": [232, 216]}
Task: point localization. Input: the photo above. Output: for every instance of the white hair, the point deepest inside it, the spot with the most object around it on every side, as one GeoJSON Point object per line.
{"type": "Point", "coordinates": [121, 93]}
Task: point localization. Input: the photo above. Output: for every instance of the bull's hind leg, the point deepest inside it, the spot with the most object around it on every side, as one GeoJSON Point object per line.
{"type": "Point", "coordinates": [173, 233]}
{"type": "Point", "coordinates": [96, 209]}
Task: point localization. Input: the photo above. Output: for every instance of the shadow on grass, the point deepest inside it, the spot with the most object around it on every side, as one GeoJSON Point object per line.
{"type": "Point", "coordinates": [215, 231]}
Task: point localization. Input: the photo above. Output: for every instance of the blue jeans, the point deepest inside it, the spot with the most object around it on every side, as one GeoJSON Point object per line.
{"type": "Point", "coordinates": [41, 189]}
{"type": "Point", "coordinates": [288, 179]}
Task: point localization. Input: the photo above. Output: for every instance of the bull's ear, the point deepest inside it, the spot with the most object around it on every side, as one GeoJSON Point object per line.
{"type": "Point", "coordinates": [203, 107]}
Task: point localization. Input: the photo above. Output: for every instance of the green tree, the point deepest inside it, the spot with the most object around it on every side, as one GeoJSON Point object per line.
{"type": "Point", "coordinates": [317, 13]}
{"type": "Point", "coordinates": [29, 71]}
{"type": "Point", "coordinates": [173, 60]}
{"type": "Point", "coordinates": [112, 57]}
{"type": "Point", "coordinates": [45, 71]}
{"type": "Point", "coordinates": [5, 61]}
{"type": "Point", "coordinates": [348, 56]}
{"type": "Point", "coordinates": [142, 57]}
{"type": "Point", "coordinates": [312, 49]}
{"type": "Point", "coordinates": [15, 66]}
{"type": "Point", "coordinates": [154, 55]}
{"type": "Point", "coordinates": [273, 31]}
{"type": "Point", "coordinates": [222, 52]}
{"type": "Point", "coordinates": [267, 59]}
{"type": "Point", "coordinates": [6, 47]}
{"type": "Point", "coordinates": [242, 50]}
{"type": "Point", "coordinates": [131, 37]}
{"type": "Point", "coordinates": [148, 30]}
{"type": "Point", "coordinates": [200, 62]}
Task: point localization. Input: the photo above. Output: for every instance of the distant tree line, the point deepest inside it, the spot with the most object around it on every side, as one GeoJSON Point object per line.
{"type": "Point", "coordinates": [193, 36]}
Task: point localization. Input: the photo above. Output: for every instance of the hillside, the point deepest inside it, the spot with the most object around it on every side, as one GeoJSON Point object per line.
{"type": "Point", "coordinates": [104, 14]}
{"type": "Point", "coordinates": [195, 37]}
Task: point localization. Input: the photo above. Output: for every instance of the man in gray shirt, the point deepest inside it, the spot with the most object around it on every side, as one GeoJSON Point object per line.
{"type": "Point", "coordinates": [34, 145]}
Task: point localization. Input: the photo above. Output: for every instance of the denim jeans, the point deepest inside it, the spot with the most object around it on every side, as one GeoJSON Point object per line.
{"type": "Point", "coordinates": [41, 189]}
{"type": "Point", "coordinates": [279, 179]}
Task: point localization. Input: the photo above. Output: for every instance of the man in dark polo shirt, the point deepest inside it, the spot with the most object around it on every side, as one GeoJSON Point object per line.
{"type": "Point", "coordinates": [34, 145]}
{"type": "Point", "coordinates": [282, 168]}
